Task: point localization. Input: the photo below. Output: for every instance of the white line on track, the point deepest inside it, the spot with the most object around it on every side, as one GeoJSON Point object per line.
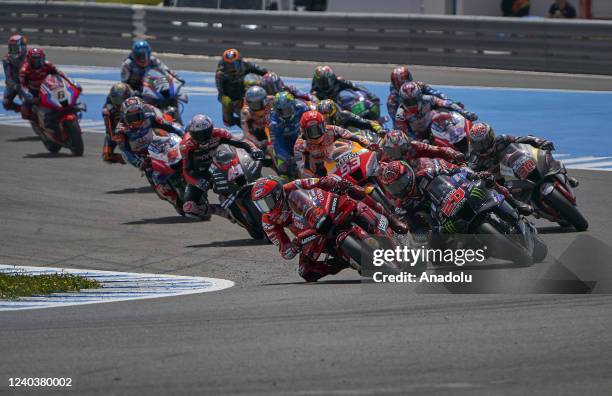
{"type": "Point", "coordinates": [116, 286]}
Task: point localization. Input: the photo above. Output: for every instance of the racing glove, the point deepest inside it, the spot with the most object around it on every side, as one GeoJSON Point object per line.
{"type": "Point", "coordinates": [547, 145]}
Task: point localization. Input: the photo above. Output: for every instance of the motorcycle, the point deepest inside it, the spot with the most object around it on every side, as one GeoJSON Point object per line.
{"type": "Point", "coordinates": [534, 176]}
{"type": "Point", "coordinates": [358, 103]}
{"type": "Point", "coordinates": [450, 129]}
{"type": "Point", "coordinates": [166, 166]}
{"type": "Point", "coordinates": [59, 105]}
{"type": "Point", "coordinates": [333, 226]}
{"type": "Point", "coordinates": [234, 172]}
{"type": "Point", "coordinates": [164, 92]}
{"type": "Point", "coordinates": [459, 205]}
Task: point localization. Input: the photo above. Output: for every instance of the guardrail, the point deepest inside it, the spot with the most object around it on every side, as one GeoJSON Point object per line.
{"type": "Point", "coordinates": [481, 42]}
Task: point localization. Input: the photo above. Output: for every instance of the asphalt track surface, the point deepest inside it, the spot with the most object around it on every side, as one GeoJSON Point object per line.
{"type": "Point", "coordinates": [271, 334]}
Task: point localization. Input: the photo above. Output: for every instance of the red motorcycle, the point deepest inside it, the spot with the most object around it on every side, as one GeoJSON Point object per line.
{"type": "Point", "coordinates": [334, 225]}
{"type": "Point", "coordinates": [59, 106]}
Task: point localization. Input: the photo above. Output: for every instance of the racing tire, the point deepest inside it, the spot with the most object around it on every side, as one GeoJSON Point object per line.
{"type": "Point", "coordinates": [51, 147]}
{"type": "Point", "coordinates": [75, 138]}
{"type": "Point", "coordinates": [504, 247]}
{"type": "Point", "coordinates": [363, 253]}
{"type": "Point", "coordinates": [567, 210]}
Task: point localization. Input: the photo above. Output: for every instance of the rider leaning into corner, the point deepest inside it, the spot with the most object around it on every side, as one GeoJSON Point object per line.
{"type": "Point", "coordinates": [135, 132]}
{"type": "Point", "coordinates": [414, 115]}
{"type": "Point", "coordinates": [344, 118]}
{"type": "Point", "coordinates": [273, 199]}
{"type": "Point", "coordinates": [111, 114]}
{"type": "Point", "coordinates": [485, 149]}
{"type": "Point", "coordinates": [229, 77]}
{"type": "Point", "coordinates": [139, 62]}
{"type": "Point", "coordinates": [31, 75]}
{"type": "Point", "coordinates": [399, 76]}
{"type": "Point", "coordinates": [396, 145]}
{"type": "Point", "coordinates": [255, 116]}
{"type": "Point", "coordinates": [11, 63]}
{"type": "Point", "coordinates": [316, 143]}
{"type": "Point", "coordinates": [273, 84]}
{"type": "Point", "coordinates": [327, 85]}
{"type": "Point", "coordinates": [197, 148]}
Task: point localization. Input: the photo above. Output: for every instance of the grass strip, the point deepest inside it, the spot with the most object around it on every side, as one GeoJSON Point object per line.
{"type": "Point", "coordinates": [15, 285]}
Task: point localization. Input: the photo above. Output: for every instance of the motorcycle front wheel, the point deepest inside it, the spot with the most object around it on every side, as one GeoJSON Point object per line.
{"type": "Point", "coordinates": [567, 210]}
{"type": "Point", "coordinates": [75, 138]}
{"type": "Point", "coordinates": [503, 247]}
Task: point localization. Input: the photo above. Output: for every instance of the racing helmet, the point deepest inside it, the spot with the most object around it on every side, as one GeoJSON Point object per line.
{"type": "Point", "coordinates": [36, 58]}
{"type": "Point", "coordinates": [328, 108]}
{"type": "Point", "coordinates": [267, 194]}
{"type": "Point", "coordinates": [232, 61]}
{"type": "Point", "coordinates": [410, 95]}
{"type": "Point", "coordinates": [251, 80]}
{"type": "Point", "coordinates": [133, 112]}
{"type": "Point", "coordinates": [399, 76]}
{"type": "Point", "coordinates": [119, 93]}
{"type": "Point", "coordinates": [324, 78]}
{"type": "Point", "coordinates": [482, 138]}
{"type": "Point", "coordinates": [141, 53]}
{"type": "Point", "coordinates": [17, 47]}
{"type": "Point", "coordinates": [394, 144]}
{"type": "Point", "coordinates": [256, 98]}
{"type": "Point", "coordinates": [200, 128]}
{"type": "Point", "coordinates": [398, 178]}
{"type": "Point", "coordinates": [272, 83]}
{"type": "Point", "coordinates": [284, 104]}
{"type": "Point", "coordinates": [312, 124]}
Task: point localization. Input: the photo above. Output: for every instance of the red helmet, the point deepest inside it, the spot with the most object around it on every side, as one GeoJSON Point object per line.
{"type": "Point", "coordinates": [17, 46]}
{"type": "Point", "coordinates": [232, 60]}
{"type": "Point", "coordinates": [267, 194]}
{"type": "Point", "coordinates": [312, 124]}
{"type": "Point", "coordinates": [394, 144]}
{"type": "Point", "coordinates": [398, 178]}
{"type": "Point", "coordinates": [410, 95]}
{"type": "Point", "coordinates": [399, 76]}
{"type": "Point", "coordinates": [36, 58]}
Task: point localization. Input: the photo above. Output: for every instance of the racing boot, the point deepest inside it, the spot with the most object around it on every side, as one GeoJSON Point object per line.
{"type": "Point", "coordinates": [112, 158]}
{"type": "Point", "coordinates": [520, 206]}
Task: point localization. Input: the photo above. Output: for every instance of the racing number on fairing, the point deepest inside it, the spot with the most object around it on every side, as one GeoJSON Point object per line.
{"type": "Point", "coordinates": [451, 202]}
{"type": "Point", "coordinates": [348, 167]}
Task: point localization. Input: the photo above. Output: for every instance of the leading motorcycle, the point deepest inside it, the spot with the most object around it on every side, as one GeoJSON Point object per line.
{"type": "Point", "coordinates": [164, 92]}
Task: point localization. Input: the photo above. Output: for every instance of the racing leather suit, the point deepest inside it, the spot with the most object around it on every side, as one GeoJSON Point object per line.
{"type": "Point", "coordinates": [298, 93]}
{"type": "Point", "coordinates": [197, 159]}
{"type": "Point", "coordinates": [111, 116]}
{"type": "Point", "coordinates": [275, 222]}
{"type": "Point", "coordinates": [30, 80]}
{"type": "Point", "coordinates": [310, 156]}
{"type": "Point", "coordinates": [230, 88]}
{"type": "Point", "coordinates": [393, 101]}
{"type": "Point", "coordinates": [254, 124]}
{"type": "Point", "coordinates": [345, 119]}
{"type": "Point", "coordinates": [11, 82]}
{"type": "Point", "coordinates": [134, 144]}
{"type": "Point", "coordinates": [283, 135]}
{"type": "Point", "coordinates": [417, 124]}
{"type": "Point", "coordinates": [132, 73]}
{"type": "Point", "coordinates": [415, 149]}
{"type": "Point", "coordinates": [340, 84]}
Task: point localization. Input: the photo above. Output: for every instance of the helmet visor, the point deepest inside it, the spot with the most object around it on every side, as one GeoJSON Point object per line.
{"type": "Point", "coordinates": [37, 62]}
{"type": "Point", "coordinates": [400, 186]}
{"type": "Point", "coordinates": [286, 111]}
{"type": "Point", "coordinates": [141, 57]}
{"type": "Point", "coordinates": [394, 151]}
{"type": "Point", "coordinates": [201, 135]}
{"type": "Point", "coordinates": [479, 145]}
{"type": "Point", "coordinates": [134, 118]}
{"type": "Point", "coordinates": [410, 102]}
{"type": "Point", "coordinates": [14, 49]}
{"type": "Point", "coordinates": [313, 131]}
{"type": "Point", "coordinates": [256, 105]}
{"type": "Point", "coordinates": [325, 83]}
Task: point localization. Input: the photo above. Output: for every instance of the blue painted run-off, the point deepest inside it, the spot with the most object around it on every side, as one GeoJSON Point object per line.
{"type": "Point", "coordinates": [575, 120]}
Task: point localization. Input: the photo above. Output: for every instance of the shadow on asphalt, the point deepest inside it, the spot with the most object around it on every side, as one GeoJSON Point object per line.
{"type": "Point", "coordinates": [231, 243]}
{"type": "Point", "coordinates": [132, 190]}
{"type": "Point", "coordinates": [321, 282]}
{"type": "Point", "coordinates": [49, 155]}
{"type": "Point", "coordinates": [161, 220]}
{"type": "Point", "coordinates": [23, 139]}
{"type": "Point", "coordinates": [556, 230]}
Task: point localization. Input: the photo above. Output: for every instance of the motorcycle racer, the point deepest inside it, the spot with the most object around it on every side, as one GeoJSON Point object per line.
{"type": "Point", "coordinates": [111, 114]}
{"type": "Point", "coordinates": [197, 148]}
{"type": "Point", "coordinates": [134, 133]}
{"type": "Point", "coordinates": [399, 76]}
{"type": "Point", "coordinates": [395, 145]}
{"type": "Point", "coordinates": [139, 62]}
{"type": "Point", "coordinates": [11, 63]}
{"type": "Point", "coordinates": [327, 85]}
{"type": "Point", "coordinates": [273, 84]}
{"type": "Point", "coordinates": [229, 77]}
{"type": "Point", "coordinates": [274, 200]}
{"type": "Point", "coordinates": [414, 114]}
{"type": "Point", "coordinates": [317, 143]}
{"type": "Point", "coordinates": [255, 116]}
{"type": "Point", "coordinates": [344, 118]}
{"type": "Point", "coordinates": [284, 130]}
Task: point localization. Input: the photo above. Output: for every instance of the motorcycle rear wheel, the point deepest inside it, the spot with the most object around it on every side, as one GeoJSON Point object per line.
{"type": "Point", "coordinates": [567, 210]}
{"type": "Point", "coordinates": [77, 147]}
